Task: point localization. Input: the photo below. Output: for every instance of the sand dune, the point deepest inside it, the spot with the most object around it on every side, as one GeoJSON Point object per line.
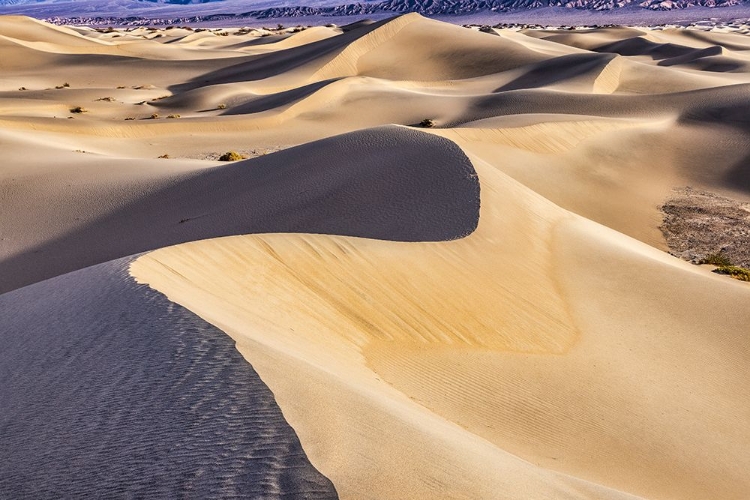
{"type": "Point", "coordinates": [444, 259]}
{"type": "Point", "coordinates": [111, 390]}
{"type": "Point", "coordinates": [275, 194]}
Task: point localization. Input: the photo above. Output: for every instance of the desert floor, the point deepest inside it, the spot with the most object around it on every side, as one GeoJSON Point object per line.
{"type": "Point", "coordinates": [446, 255]}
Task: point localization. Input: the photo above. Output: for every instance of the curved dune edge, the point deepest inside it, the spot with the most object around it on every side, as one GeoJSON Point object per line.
{"type": "Point", "coordinates": [425, 369]}
{"type": "Point", "coordinates": [112, 391]}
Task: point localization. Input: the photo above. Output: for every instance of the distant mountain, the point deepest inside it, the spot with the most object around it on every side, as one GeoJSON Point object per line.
{"type": "Point", "coordinates": [465, 7]}
{"type": "Point", "coordinates": [273, 9]}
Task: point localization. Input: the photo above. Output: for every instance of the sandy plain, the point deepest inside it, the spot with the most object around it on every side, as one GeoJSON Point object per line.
{"type": "Point", "coordinates": [479, 308]}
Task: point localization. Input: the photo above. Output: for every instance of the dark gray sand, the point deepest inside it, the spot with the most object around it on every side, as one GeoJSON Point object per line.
{"type": "Point", "coordinates": [108, 390]}
{"type": "Point", "coordinates": [391, 183]}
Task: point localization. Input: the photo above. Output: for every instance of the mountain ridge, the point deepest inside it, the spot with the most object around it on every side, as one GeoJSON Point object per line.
{"type": "Point", "coordinates": [262, 10]}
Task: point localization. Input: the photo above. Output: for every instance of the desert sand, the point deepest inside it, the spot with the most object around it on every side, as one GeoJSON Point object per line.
{"type": "Point", "coordinates": [444, 256]}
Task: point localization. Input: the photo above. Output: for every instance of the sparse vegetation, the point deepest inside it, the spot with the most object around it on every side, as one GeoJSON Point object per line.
{"type": "Point", "coordinates": [739, 273]}
{"type": "Point", "coordinates": [173, 116]}
{"type": "Point", "coordinates": [164, 156]}
{"type": "Point", "coordinates": [725, 266]}
{"type": "Point", "coordinates": [716, 259]}
{"type": "Point", "coordinates": [78, 109]}
{"type": "Point", "coordinates": [231, 156]}
{"type": "Point", "coordinates": [107, 99]}
{"type": "Point", "coordinates": [221, 106]}
{"type": "Point", "coordinates": [121, 86]}
{"type": "Point", "coordinates": [426, 123]}
{"type": "Point", "coordinates": [63, 86]}
{"type": "Point", "coordinates": [154, 116]}
{"type": "Point", "coordinates": [129, 118]}
{"type": "Point", "coordinates": [22, 88]}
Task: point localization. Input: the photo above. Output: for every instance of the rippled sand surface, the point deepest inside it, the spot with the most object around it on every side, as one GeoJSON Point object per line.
{"type": "Point", "coordinates": [111, 391]}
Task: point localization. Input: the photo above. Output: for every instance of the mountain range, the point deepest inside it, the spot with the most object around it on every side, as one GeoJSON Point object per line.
{"type": "Point", "coordinates": [464, 7]}
{"type": "Point", "coordinates": [265, 9]}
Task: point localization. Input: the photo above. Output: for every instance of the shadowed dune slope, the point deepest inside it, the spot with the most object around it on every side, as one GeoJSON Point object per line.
{"type": "Point", "coordinates": [427, 51]}
{"type": "Point", "coordinates": [322, 187]}
{"type": "Point", "coordinates": [110, 390]}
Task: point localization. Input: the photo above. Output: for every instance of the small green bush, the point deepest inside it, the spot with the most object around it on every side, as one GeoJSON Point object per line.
{"type": "Point", "coordinates": [231, 156]}
{"type": "Point", "coordinates": [716, 259]}
{"type": "Point", "coordinates": [739, 273]}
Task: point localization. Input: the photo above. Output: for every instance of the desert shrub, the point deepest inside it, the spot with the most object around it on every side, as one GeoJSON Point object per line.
{"type": "Point", "coordinates": [63, 86]}
{"type": "Point", "coordinates": [173, 116]}
{"type": "Point", "coordinates": [231, 156]}
{"type": "Point", "coordinates": [107, 99]}
{"type": "Point", "coordinates": [154, 116]}
{"type": "Point", "coordinates": [221, 106]}
{"type": "Point", "coordinates": [129, 118]}
{"type": "Point", "coordinates": [739, 273]}
{"type": "Point", "coordinates": [77, 109]}
{"type": "Point", "coordinates": [164, 156]}
{"type": "Point", "coordinates": [22, 88]}
{"type": "Point", "coordinates": [426, 123]}
{"type": "Point", "coordinates": [716, 259]}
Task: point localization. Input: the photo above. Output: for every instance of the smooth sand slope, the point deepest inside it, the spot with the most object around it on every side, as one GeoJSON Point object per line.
{"type": "Point", "coordinates": [481, 308]}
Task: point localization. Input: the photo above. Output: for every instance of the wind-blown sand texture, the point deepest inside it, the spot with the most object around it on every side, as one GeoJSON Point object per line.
{"type": "Point", "coordinates": [110, 390]}
{"type": "Point", "coordinates": [479, 309]}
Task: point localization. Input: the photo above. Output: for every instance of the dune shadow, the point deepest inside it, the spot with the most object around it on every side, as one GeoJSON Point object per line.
{"type": "Point", "coordinates": [733, 111]}
{"type": "Point", "coordinates": [638, 46]}
{"type": "Point", "coordinates": [390, 183]}
{"type": "Point", "coordinates": [559, 69]}
{"type": "Point", "coordinates": [738, 177]}
{"type": "Point", "coordinates": [267, 65]}
{"type": "Point", "coordinates": [109, 390]}
{"type": "Point", "coordinates": [272, 101]}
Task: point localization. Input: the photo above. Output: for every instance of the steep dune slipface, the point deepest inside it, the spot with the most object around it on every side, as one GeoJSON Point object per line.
{"type": "Point", "coordinates": [314, 188]}
{"type": "Point", "coordinates": [454, 312]}
{"type": "Point", "coordinates": [111, 390]}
